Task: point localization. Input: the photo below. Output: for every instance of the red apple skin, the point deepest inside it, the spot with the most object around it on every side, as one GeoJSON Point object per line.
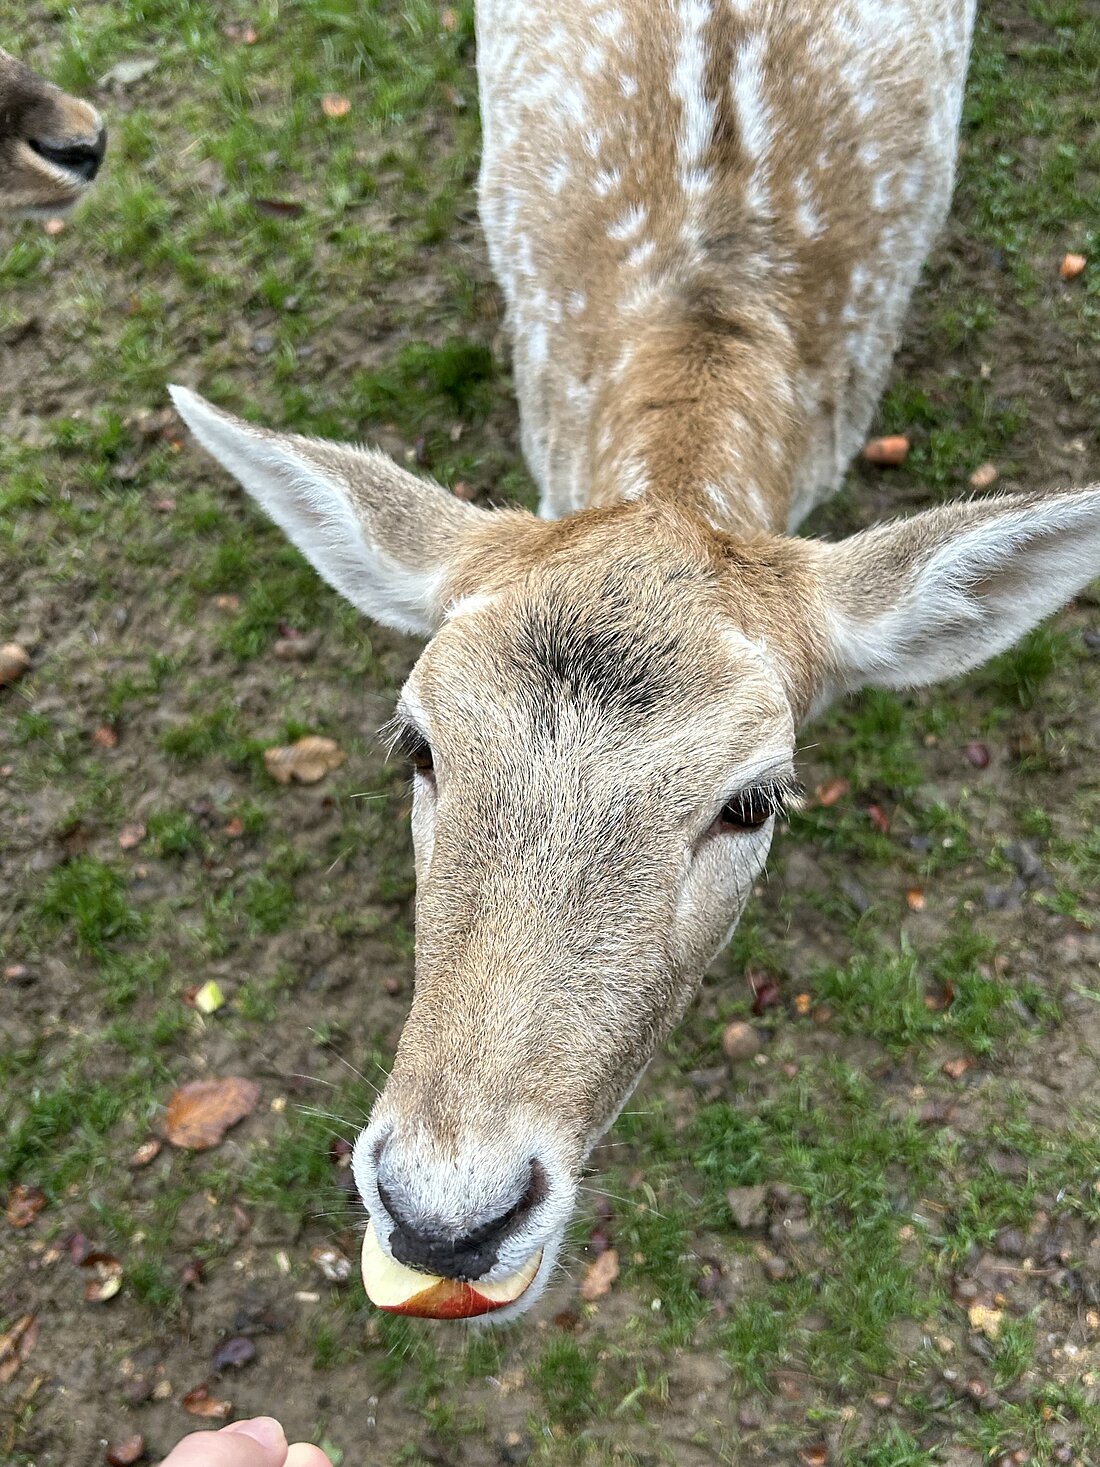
{"type": "Point", "coordinates": [447, 1299]}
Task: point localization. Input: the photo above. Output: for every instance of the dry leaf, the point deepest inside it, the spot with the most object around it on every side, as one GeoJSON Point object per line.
{"type": "Point", "coordinates": [54, 226]}
{"type": "Point", "coordinates": [227, 601]}
{"type": "Point", "coordinates": [14, 661]}
{"type": "Point", "coordinates": [234, 828]}
{"type": "Point", "coordinates": [106, 1277]}
{"type": "Point", "coordinates": [148, 1151]}
{"type": "Point", "coordinates": [105, 736]}
{"type": "Point", "coordinates": [244, 35]}
{"type": "Point", "coordinates": [334, 105]}
{"type": "Point", "coordinates": [24, 1205]}
{"type": "Point", "coordinates": [803, 1003]}
{"type": "Point", "coordinates": [279, 208]}
{"type": "Point", "coordinates": [1072, 266]}
{"type": "Point", "coordinates": [983, 476]}
{"type": "Point", "coordinates": [879, 818]}
{"type": "Point", "coordinates": [600, 1276]}
{"type": "Point", "coordinates": [200, 1402]}
{"type": "Point", "coordinates": [126, 1452]}
{"type": "Point", "coordinates": [886, 452]}
{"type": "Point", "coordinates": [131, 835]}
{"type": "Point", "coordinates": [914, 899]}
{"type": "Point", "coordinates": [830, 793]}
{"type": "Point", "coordinates": [307, 760]}
{"type": "Point", "coordinates": [200, 1113]}
{"type": "Point", "coordinates": [955, 1069]}
{"type": "Point", "coordinates": [16, 1346]}
{"type": "Point", "coordinates": [987, 1320]}
{"type": "Point", "coordinates": [209, 998]}
{"type": "Point", "coordinates": [815, 1456]}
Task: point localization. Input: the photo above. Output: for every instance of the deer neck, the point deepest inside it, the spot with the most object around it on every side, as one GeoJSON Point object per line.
{"type": "Point", "coordinates": [702, 408]}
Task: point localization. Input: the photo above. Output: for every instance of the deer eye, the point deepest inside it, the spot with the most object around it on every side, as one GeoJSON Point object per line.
{"type": "Point", "coordinates": [748, 810]}
{"type": "Point", "coordinates": [752, 808]}
{"type": "Point", "coordinates": [414, 747]}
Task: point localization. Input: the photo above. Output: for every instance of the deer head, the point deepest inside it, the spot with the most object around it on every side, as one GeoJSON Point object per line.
{"type": "Point", "coordinates": [602, 730]}
{"type": "Point", "coordinates": [51, 145]}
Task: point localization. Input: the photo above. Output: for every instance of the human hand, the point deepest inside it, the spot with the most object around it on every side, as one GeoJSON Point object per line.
{"type": "Point", "coordinates": [257, 1443]}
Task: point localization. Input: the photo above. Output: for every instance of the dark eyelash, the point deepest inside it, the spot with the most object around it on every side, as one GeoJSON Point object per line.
{"type": "Point", "coordinates": [410, 743]}
{"type": "Point", "coordinates": [753, 807]}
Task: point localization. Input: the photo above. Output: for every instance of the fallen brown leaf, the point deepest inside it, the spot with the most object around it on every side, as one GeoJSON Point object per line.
{"type": "Point", "coordinates": [200, 1402]}
{"type": "Point", "coordinates": [148, 1151]}
{"type": "Point", "coordinates": [14, 661]}
{"type": "Point", "coordinates": [600, 1276]}
{"type": "Point", "coordinates": [16, 1346]}
{"type": "Point", "coordinates": [106, 1277]}
{"type": "Point", "coordinates": [126, 1452]}
{"type": "Point", "coordinates": [279, 208]}
{"type": "Point", "coordinates": [914, 899]}
{"type": "Point", "coordinates": [955, 1069]}
{"type": "Point", "coordinates": [200, 1112]}
{"type": "Point", "coordinates": [334, 105]}
{"type": "Point", "coordinates": [307, 760]}
{"type": "Point", "coordinates": [24, 1205]}
{"type": "Point", "coordinates": [983, 476]}
{"type": "Point", "coordinates": [1072, 266]}
{"type": "Point", "coordinates": [886, 452]}
{"type": "Point", "coordinates": [105, 736]}
{"type": "Point", "coordinates": [131, 835]}
{"type": "Point", "coordinates": [765, 992]}
{"type": "Point", "coordinates": [803, 1003]}
{"type": "Point", "coordinates": [234, 828]}
{"type": "Point", "coordinates": [815, 1456]}
{"type": "Point", "coordinates": [828, 794]}
{"type": "Point", "coordinates": [879, 818]}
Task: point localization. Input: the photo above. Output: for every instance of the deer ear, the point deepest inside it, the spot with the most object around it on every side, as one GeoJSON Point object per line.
{"type": "Point", "coordinates": [384, 538]}
{"type": "Point", "coordinates": [922, 599]}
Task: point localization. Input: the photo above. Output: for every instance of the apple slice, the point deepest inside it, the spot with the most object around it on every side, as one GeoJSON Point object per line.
{"type": "Point", "coordinates": [401, 1290]}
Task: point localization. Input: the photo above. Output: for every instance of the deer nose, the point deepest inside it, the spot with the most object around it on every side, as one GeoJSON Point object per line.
{"type": "Point", "coordinates": [81, 158]}
{"type": "Point", "coordinates": [469, 1255]}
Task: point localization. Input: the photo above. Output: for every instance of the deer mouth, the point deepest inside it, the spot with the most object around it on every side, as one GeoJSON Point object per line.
{"type": "Point", "coordinates": [395, 1287]}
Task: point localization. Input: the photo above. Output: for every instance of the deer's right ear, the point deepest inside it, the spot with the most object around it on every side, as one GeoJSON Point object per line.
{"type": "Point", "coordinates": [384, 538]}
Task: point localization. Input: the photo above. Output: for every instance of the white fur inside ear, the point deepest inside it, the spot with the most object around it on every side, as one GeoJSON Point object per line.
{"type": "Point", "coordinates": [311, 501]}
{"type": "Point", "coordinates": [989, 580]}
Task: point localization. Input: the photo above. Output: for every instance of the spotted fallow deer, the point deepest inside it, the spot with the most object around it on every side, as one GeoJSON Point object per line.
{"type": "Point", "coordinates": [707, 218]}
{"type": "Point", "coordinates": [51, 144]}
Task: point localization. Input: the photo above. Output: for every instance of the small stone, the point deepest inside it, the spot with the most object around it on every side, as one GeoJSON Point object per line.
{"type": "Point", "coordinates": [748, 1206]}
{"type": "Point", "coordinates": [776, 1268]}
{"type": "Point", "coordinates": [741, 1041]}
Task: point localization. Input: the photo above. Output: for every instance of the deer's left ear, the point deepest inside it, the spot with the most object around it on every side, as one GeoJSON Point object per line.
{"type": "Point", "coordinates": [384, 538]}
{"type": "Point", "coordinates": [925, 598]}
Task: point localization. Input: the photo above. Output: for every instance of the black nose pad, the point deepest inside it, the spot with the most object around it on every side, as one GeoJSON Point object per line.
{"type": "Point", "coordinates": [472, 1255]}
{"type": "Point", "coordinates": [83, 159]}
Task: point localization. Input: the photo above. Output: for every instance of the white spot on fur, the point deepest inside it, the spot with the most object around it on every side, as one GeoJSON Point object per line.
{"type": "Point", "coordinates": [629, 224]}
{"type": "Point", "coordinates": [641, 253]}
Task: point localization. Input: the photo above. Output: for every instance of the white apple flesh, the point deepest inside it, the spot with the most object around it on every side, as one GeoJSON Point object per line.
{"type": "Point", "coordinates": [401, 1290]}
